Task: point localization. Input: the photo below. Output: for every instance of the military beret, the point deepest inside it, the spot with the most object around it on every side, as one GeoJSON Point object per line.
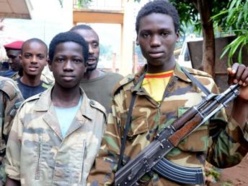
{"type": "Point", "coordinates": [16, 45]}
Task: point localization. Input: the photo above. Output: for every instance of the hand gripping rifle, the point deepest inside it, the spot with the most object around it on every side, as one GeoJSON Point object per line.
{"type": "Point", "coordinates": [151, 157]}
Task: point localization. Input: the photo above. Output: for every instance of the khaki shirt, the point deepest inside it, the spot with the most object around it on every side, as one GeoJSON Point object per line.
{"type": "Point", "coordinates": [37, 154]}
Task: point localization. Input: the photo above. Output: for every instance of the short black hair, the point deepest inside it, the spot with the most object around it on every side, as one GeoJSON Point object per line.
{"type": "Point", "coordinates": [34, 40]}
{"type": "Point", "coordinates": [158, 6]}
{"type": "Point", "coordinates": [68, 37]}
{"type": "Point", "coordinates": [81, 26]}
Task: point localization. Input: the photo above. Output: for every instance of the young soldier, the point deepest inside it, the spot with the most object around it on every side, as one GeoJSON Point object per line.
{"type": "Point", "coordinates": [10, 99]}
{"type": "Point", "coordinates": [33, 60]}
{"type": "Point", "coordinates": [161, 92]}
{"type": "Point", "coordinates": [57, 134]}
{"type": "Point", "coordinates": [97, 84]}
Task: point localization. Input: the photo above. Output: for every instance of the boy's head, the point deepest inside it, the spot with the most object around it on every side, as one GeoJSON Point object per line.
{"type": "Point", "coordinates": [33, 57]}
{"type": "Point", "coordinates": [68, 53]}
{"type": "Point", "coordinates": [68, 37]}
{"type": "Point", "coordinates": [158, 6]}
{"type": "Point", "coordinates": [13, 51]}
{"type": "Point", "coordinates": [92, 38]}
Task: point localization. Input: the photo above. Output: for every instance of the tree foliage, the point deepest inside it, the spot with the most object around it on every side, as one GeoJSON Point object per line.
{"type": "Point", "coordinates": [189, 12]}
{"type": "Point", "coordinates": [234, 19]}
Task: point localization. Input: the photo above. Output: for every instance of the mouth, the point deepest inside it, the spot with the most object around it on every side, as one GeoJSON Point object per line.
{"type": "Point", "coordinates": [91, 60]}
{"type": "Point", "coordinates": [156, 54]}
{"type": "Point", "coordinates": [32, 68]}
{"type": "Point", "coordinates": [67, 78]}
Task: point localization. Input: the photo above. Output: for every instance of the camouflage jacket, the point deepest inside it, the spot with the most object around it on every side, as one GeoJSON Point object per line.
{"type": "Point", "coordinates": [10, 99]}
{"type": "Point", "coordinates": [38, 155]}
{"type": "Point", "coordinates": [227, 147]}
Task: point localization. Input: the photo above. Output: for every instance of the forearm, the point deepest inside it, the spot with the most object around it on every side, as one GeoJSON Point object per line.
{"type": "Point", "coordinates": [240, 111]}
{"type": "Point", "coordinates": [11, 182]}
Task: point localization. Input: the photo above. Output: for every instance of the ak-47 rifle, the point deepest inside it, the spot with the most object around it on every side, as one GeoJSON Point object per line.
{"type": "Point", "coordinates": [170, 137]}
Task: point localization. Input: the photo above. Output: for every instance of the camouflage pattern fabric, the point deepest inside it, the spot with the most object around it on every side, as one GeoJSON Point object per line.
{"type": "Point", "coordinates": [38, 155]}
{"type": "Point", "coordinates": [10, 99]}
{"type": "Point", "coordinates": [15, 76]}
{"type": "Point", "coordinates": [47, 76]}
{"type": "Point", "coordinates": [226, 146]}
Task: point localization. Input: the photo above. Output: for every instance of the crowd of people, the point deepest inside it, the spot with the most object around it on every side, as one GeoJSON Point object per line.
{"type": "Point", "coordinates": [82, 125]}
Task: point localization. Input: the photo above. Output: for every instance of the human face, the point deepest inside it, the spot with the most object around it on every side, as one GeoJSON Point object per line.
{"type": "Point", "coordinates": [33, 58]}
{"type": "Point", "coordinates": [68, 65]}
{"type": "Point", "coordinates": [157, 38]}
{"type": "Point", "coordinates": [14, 60]}
{"type": "Point", "coordinates": [94, 51]}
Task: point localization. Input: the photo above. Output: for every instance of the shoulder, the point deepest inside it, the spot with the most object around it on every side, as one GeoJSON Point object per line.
{"type": "Point", "coordinates": [205, 78]}
{"type": "Point", "coordinates": [202, 76]}
{"type": "Point", "coordinates": [196, 72]}
{"type": "Point", "coordinates": [125, 83]}
{"type": "Point", "coordinates": [96, 105]}
{"type": "Point", "coordinates": [114, 74]}
{"type": "Point", "coordinates": [113, 77]}
{"type": "Point", "coordinates": [46, 85]}
{"type": "Point", "coordinates": [31, 101]}
{"type": "Point", "coordinates": [9, 87]}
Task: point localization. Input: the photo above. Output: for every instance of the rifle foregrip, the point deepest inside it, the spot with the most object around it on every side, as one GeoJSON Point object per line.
{"type": "Point", "coordinates": [188, 115]}
{"type": "Point", "coordinates": [183, 132]}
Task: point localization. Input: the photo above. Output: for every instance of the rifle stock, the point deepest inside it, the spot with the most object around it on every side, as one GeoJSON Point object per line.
{"type": "Point", "coordinates": [172, 135]}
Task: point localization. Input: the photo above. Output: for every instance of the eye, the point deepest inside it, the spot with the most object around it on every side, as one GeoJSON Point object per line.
{"type": "Point", "coordinates": [95, 45]}
{"type": "Point", "coordinates": [41, 57]}
{"type": "Point", "coordinates": [77, 61]}
{"type": "Point", "coordinates": [27, 56]}
{"type": "Point", "coordinates": [164, 34]}
{"type": "Point", "coordinates": [59, 60]}
{"type": "Point", "coordinates": [145, 35]}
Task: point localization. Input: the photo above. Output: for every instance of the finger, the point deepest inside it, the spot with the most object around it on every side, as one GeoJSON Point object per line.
{"type": "Point", "coordinates": [239, 71]}
{"type": "Point", "coordinates": [244, 77]}
{"type": "Point", "coordinates": [235, 67]}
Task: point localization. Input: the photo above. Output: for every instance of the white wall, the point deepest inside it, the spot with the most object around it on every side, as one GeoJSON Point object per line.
{"type": "Point", "coordinates": [48, 19]}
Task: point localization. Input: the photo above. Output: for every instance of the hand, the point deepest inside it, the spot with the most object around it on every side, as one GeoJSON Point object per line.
{"type": "Point", "coordinates": [239, 74]}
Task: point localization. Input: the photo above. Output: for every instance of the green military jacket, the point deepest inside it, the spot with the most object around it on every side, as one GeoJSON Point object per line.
{"type": "Point", "coordinates": [38, 154]}
{"type": "Point", "coordinates": [226, 148]}
{"type": "Point", "coordinates": [10, 99]}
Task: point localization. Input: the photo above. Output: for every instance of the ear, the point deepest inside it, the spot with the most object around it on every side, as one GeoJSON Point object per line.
{"type": "Point", "coordinates": [49, 64]}
{"type": "Point", "coordinates": [47, 60]}
{"type": "Point", "coordinates": [20, 57]}
{"type": "Point", "coordinates": [137, 42]}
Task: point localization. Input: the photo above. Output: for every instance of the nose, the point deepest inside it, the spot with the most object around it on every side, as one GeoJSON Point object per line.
{"type": "Point", "coordinates": [68, 66]}
{"type": "Point", "coordinates": [10, 60]}
{"type": "Point", "coordinates": [34, 59]}
{"type": "Point", "coordinates": [155, 40]}
{"type": "Point", "coordinates": [91, 51]}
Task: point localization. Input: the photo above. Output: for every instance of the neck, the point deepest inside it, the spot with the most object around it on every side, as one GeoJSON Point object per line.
{"type": "Point", "coordinates": [30, 80]}
{"type": "Point", "coordinates": [93, 74]}
{"type": "Point", "coordinates": [65, 98]}
{"type": "Point", "coordinates": [166, 66]}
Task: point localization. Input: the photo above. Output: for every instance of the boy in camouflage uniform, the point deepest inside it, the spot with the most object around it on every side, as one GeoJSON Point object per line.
{"type": "Point", "coordinates": [57, 133]}
{"type": "Point", "coordinates": [10, 98]}
{"type": "Point", "coordinates": [162, 93]}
